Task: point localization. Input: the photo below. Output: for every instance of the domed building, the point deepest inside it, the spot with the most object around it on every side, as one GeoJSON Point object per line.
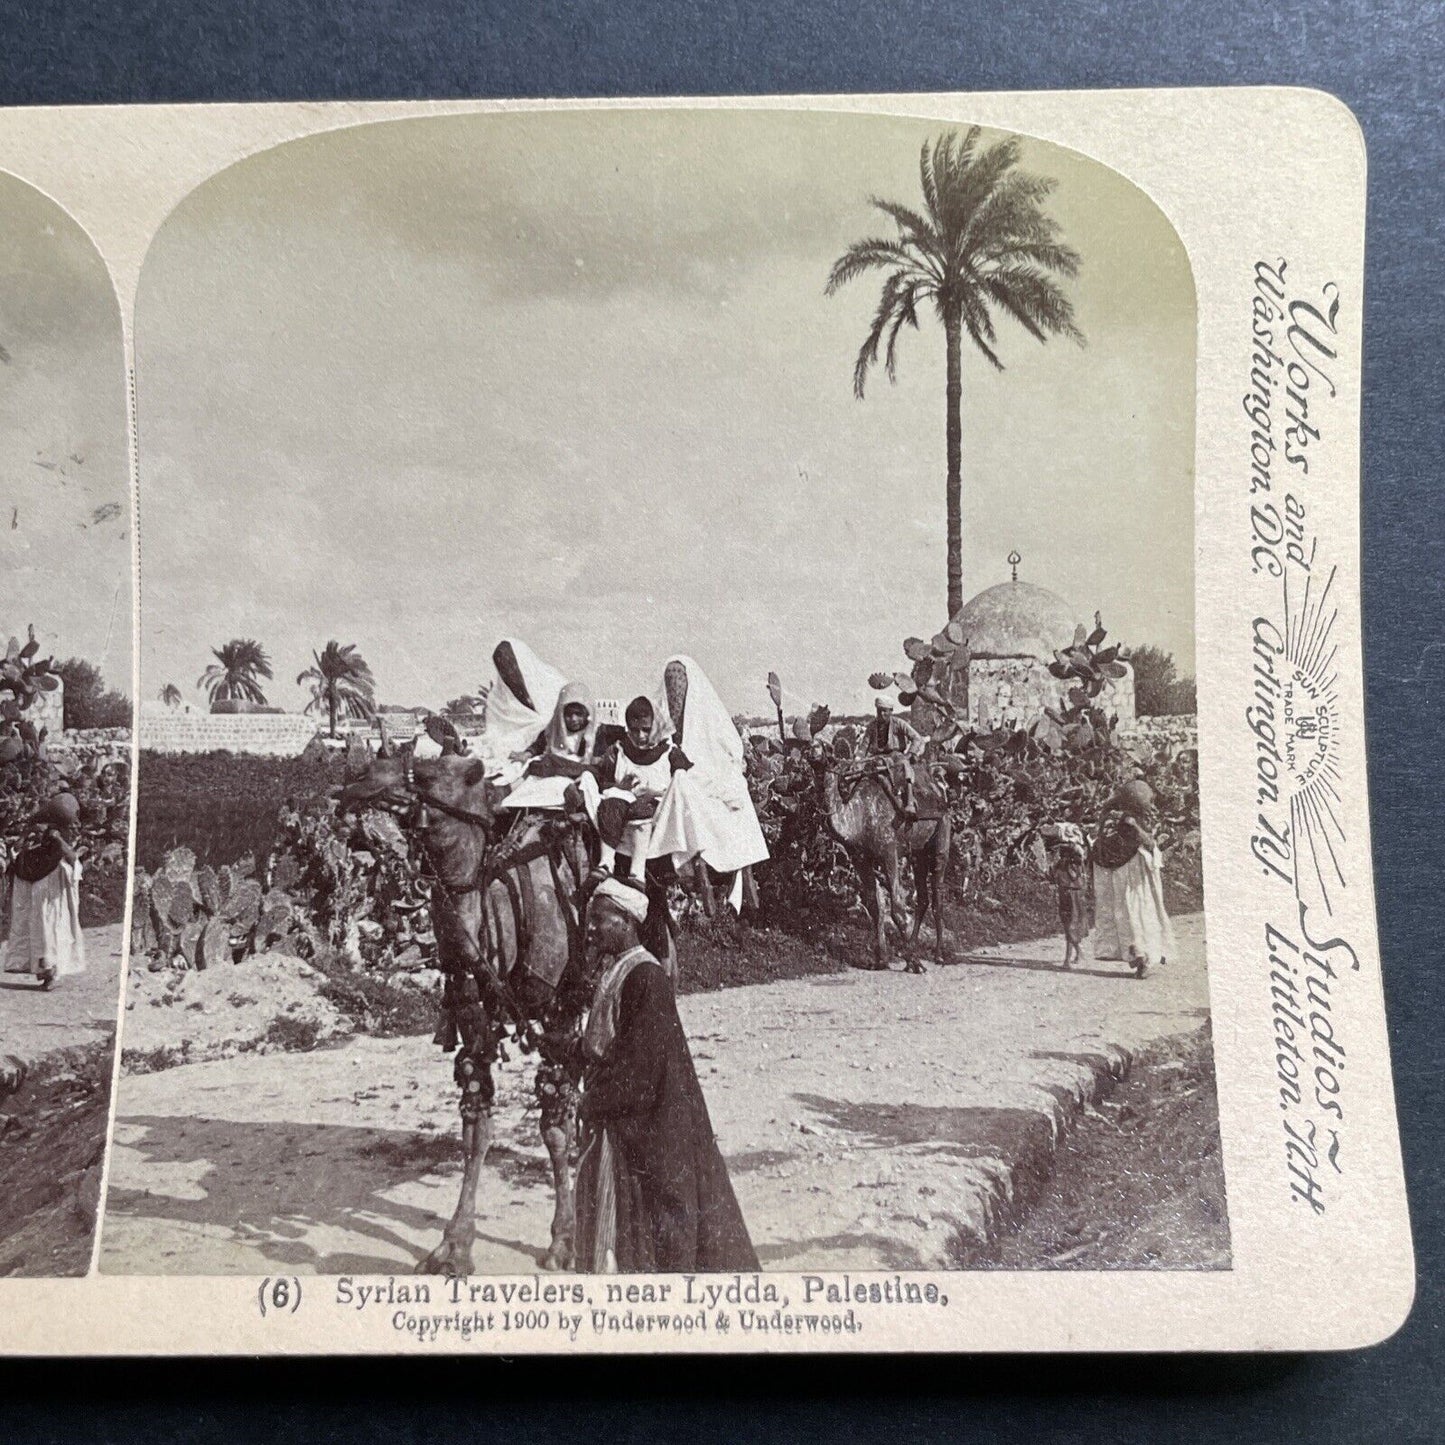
{"type": "Point", "coordinates": [1013, 631]}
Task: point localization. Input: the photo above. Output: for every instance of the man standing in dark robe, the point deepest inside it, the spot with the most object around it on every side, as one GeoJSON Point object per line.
{"type": "Point", "coordinates": [653, 1194]}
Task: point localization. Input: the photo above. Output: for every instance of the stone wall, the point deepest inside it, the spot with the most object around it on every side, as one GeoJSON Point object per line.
{"type": "Point", "coordinates": [269, 735]}
{"type": "Point", "coordinates": [1177, 733]}
{"type": "Point", "coordinates": [110, 745]}
{"type": "Point", "coordinates": [1117, 699]}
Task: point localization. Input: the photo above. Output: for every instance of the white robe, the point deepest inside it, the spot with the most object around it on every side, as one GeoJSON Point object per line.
{"type": "Point", "coordinates": [707, 809]}
{"type": "Point", "coordinates": [551, 793]}
{"type": "Point", "coordinates": [45, 924]}
{"type": "Point", "coordinates": [1130, 917]}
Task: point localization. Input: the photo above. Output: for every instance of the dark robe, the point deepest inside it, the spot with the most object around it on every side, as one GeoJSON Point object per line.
{"type": "Point", "coordinates": [39, 860]}
{"type": "Point", "coordinates": [1118, 840]}
{"type": "Point", "coordinates": [676, 1210]}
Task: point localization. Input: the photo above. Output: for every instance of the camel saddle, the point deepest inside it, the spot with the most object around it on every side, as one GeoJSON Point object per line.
{"type": "Point", "coordinates": [929, 799]}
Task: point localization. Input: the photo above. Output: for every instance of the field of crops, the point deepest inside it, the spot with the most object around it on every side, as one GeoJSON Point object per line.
{"type": "Point", "coordinates": [221, 805]}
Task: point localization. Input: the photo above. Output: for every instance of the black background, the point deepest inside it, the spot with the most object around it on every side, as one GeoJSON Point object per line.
{"type": "Point", "coordinates": [1386, 61]}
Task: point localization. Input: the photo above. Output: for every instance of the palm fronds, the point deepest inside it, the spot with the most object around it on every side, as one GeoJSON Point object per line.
{"type": "Point", "coordinates": [980, 247]}
{"type": "Point", "coordinates": [233, 676]}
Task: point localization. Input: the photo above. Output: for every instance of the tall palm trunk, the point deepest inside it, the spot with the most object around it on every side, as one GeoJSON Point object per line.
{"type": "Point", "coordinates": [953, 341]}
{"type": "Point", "coordinates": [331, 707]}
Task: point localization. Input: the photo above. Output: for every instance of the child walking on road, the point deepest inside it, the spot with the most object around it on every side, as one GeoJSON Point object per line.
{"type": "Point", "coordinates": [1069, 870]}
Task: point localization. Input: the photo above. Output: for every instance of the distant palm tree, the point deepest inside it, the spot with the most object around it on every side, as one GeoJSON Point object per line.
{"type": "Point", "coordinates": [983, 244]}
{"type": "Point", "coordinates": [341, 682]}
{"type": "Point", "coordinates": [171, 695]}
{"type": "Point", "coordinates": [232, 677]}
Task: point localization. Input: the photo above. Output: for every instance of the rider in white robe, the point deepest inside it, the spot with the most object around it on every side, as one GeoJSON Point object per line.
{"type": "Point", "coordinates": [559, 756]}
{"type": "Point", "coordinates": [707, 810]}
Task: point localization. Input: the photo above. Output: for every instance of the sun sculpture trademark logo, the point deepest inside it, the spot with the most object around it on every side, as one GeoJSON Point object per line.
{"type": "Point", "coordinates": [1309, 737]}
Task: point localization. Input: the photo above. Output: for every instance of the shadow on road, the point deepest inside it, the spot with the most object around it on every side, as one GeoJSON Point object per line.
{"type": "Point", "coordinates": [1049, 965]}
{"type": "Point", "coordinates": [278, 1186]}
{"type": "Point", "coordinates": [979, 1132]}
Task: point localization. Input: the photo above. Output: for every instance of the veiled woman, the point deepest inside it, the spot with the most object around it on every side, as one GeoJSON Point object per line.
{"type": "Point", "coordinates": [1131, 922]}
{"type": "Point", "coordinates": [45, 934]}
{"type": "Point", "coordinates": [653, 1194]}
{"type": "Point", "coordinates": [707, 811]}
{"type": "Point", "coordinates": [521, 700]}
{"type": "Point", "coordinates": [566, 745]}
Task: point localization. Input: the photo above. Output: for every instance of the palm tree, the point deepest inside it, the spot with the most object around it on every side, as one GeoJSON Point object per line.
{"type": "Point", "coordinates": [170, 695]}
{"type": "Point", "coordinates": [233, 674]}
{"type": "Point", "coordinates": [982, 245]}
{"type": "Point", "coordinates": [341, 682]}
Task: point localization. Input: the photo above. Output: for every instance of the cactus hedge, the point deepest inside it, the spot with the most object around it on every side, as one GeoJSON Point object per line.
{"type": "Point", "coordinates": [199, 916]}
{"type": "Point", "coordinates": [344, 883]}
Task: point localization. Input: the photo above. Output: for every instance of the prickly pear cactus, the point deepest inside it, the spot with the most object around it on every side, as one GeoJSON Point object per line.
{"type": "Point", "coordinates": [183, 904]}
{"type": "Point", "coordinates": [215, 946]}
{"type": "Point", "coordinates": [933, 681]}
{"type": "Point", "coordinates": [343, 882]}
{"type": "Point", "coordinates": [1087, 666]}
{"type": "Point", "coordinates": [190, 941]}
{"type": "Point", "coordinates": [200, 917]}
{"type": "Point", "coordinates": [209, 886]}
{"type": "Point", "coordinates": [24, 675]}
{"type": "Point", "coordinates": [243, 907]}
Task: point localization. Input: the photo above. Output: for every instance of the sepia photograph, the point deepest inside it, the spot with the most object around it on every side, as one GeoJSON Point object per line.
{"type": "Point", "coordinates": [65, 727]}
{"type": "Point", "coordinates": [667, 719]}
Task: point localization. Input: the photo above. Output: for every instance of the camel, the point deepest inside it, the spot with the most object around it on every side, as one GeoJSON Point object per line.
{"type": "Point", "coordinates": [507, 918]}
{"type": "Point", "coordinates": [866, 817]}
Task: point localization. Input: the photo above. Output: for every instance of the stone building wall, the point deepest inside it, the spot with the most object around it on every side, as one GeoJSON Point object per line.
{"type": "Point", "coordinates": [48, 710]}
{"type": "Point", "coordinates": [1014, 691]}
{"type": "Point", "coordinates": [1008, 692]}
{"type": "Point", "coordinates": [270, 735]}
{"type": "Point", "coordinates": [1117, 699]}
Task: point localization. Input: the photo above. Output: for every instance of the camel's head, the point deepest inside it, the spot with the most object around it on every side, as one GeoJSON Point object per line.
{"type": "Point", "coordinates": [385, 783]}
{"type": "Point", "coordinates": [454, 787]}
{"type": "Point", "coordinates": [455, 808]}
{"type": "Point", "coordinates": [447, 801]}
{"type": "Point", "coordinates": [816, 755]}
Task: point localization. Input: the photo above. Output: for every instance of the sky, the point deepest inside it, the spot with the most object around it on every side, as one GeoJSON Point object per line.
{"type": "Point", "coordinates": [64, 471]}
{"type": "Point", "coordinates": [573, 378]}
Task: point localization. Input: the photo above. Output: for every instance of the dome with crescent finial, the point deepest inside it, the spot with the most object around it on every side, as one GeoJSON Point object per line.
{"type": "Point", "coordinates": [1017, 619]}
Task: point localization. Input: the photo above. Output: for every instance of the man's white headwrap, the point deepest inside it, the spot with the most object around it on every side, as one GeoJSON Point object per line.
{"type": "Point", "coordinates": [632, 901]}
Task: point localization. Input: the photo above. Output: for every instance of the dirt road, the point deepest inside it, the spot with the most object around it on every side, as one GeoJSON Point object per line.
{"type": "Point", "coordinates": [52, 1131]}
{"type": "Point", "coordinates": [869, 1121]}
{"type": "Point", "coordinates": [76, 1010]}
